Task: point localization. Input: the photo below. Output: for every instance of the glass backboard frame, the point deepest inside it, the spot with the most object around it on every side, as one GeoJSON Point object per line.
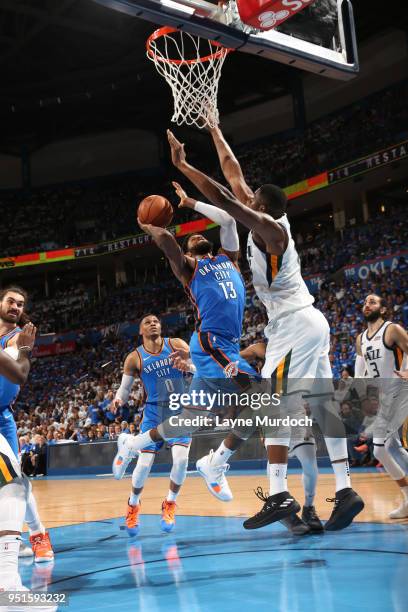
{"type": "Point", "coordinates": [204, 19]}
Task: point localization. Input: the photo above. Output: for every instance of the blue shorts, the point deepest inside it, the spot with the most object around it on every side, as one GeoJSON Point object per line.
{"type": "Point", "coordinates": [151, 419]}
{"type": "Point", "coordinates": [8, 429]}
{"type": "Point", "coordinates": [219, 365]}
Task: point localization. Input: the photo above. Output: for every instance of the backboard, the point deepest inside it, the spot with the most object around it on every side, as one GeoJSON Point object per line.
{"type": "Point", "coordinates": [320, 39]}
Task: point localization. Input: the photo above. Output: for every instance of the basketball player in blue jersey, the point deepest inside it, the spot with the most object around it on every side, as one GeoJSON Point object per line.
{"type": "Point", "coordinates": [216, 289]}
{"type": "Point", "coordinates": [12, 303]}
{"type": "Point", "coordinates": [151, 362]}
{"type": "Point", "coordinates": [297, 354]}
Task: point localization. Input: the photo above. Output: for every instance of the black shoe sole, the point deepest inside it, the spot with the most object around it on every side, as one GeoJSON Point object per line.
{"type": "Point", "coordinates": [294, 508]}
{"type": "Point", "coordinates": [346, 518]}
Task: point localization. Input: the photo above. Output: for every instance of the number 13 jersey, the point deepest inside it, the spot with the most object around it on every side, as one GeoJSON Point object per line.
{"type": "Point", "coordinates": [217, 292]}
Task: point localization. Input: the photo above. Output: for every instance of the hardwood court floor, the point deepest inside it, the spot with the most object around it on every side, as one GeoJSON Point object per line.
{"type": "Point", "coordinates": [70, 502]}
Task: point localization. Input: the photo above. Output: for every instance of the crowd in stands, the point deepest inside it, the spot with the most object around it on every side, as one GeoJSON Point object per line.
{"type": "Point", "coordinates": [324, 251]}
{"type": "Point", "coordinates": [360, 129]}
{"type": "Point", "coordinates": [104, 209]}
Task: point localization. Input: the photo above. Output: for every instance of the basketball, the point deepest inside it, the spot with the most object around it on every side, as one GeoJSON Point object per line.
{"type": "Point", "coordinates": [156, 210]}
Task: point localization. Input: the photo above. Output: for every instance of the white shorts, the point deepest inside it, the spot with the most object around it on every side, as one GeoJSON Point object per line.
{"type": "Point", "coordinates": [298, 350]}
{"type": "Point", "coordinates": [9, 466]}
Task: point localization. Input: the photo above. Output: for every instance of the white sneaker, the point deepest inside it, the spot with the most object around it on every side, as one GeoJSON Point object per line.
{"type": "Point", "coordinates": [25, 551]}
{"type": "Point", "coordinates": [123, 457]}
{"type": "Point", "coordinates": [214, 476]}
{"type": "Point", "coordinates": [400, 512]}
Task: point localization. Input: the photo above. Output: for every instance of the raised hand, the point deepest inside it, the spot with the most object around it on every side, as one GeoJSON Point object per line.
{"type": "Point", "coordinates": [181, 360]}
{"type": "Point", "coordinates": [185, 201]}
{"type": "Point", "coordinates": [26, 338]}
{"type": "Point", "coordinates": [178, 155]}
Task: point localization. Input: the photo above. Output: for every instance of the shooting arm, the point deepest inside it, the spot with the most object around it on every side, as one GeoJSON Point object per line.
{"type": "Point", "coordinates": [272, 234]}
{"type": "Point", "coordinates": [228, 228]}
{"type": "Point", "coordinates": [181, 265]}
{"type": "Point", "coordinates": [231, 167]}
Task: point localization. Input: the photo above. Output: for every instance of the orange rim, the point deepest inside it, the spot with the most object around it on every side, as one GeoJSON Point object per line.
{"type": "Point", "coordinates": [169, 30]}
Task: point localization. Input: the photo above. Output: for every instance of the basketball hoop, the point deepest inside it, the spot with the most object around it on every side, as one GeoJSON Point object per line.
{"type": "Point", "coordinates": [192, 67]}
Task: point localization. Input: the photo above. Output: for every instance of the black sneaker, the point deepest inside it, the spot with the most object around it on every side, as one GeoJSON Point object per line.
{"type": "Point", "coordinates": [347, 504]}
{"type": "Point", "coordinates": [309, 516]}
{"type": "Point", "coordinates": [295, 525]}
{"type": "Point", "coordinates": [275, 508]}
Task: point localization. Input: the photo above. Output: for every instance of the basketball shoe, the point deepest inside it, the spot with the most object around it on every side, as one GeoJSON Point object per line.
{"type": "Point", "coordinates": [275, 508]}
{"type": "Point", "coordinates": [347, 504]}
{"type": "Point", "coordinates": [42, 549]}
{"type": "Point", "coordinates": [168, 516]}
{"type": "Point", "coordinates": [296, 525]}
{"type": "Point", "coordinates": [132, 519]}
{"type": "Point", "coordinates": [400, 512]}
{"type": "Point", "coordinates": [214, 476]}
{"type": "Point", "coordinates": [309, 516]}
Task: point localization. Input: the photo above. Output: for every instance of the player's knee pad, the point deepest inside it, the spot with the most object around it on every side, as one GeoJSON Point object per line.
{"type": "Point", "coordinates": [142, 469]}
{"type": "Point", "coordinates": [180, 463]}
{"type": "Point", "coordinates": [337, 448]}
{"type": "Point", "coordinates": [13, 503]}
{"type": "Point", "coordinates": [391, 466]}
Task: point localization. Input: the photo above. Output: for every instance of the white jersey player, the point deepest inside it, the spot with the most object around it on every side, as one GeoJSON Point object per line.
{"type": "Point", "coordinates": [381, 354]}
{"type": "Point", "coordinates": [298, 334]}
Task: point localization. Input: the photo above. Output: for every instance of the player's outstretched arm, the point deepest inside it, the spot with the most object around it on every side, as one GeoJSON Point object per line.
{"type": "Point", "coordinates": [271, 233]}
{"type": "Point", "coordinates": [231, 167]}
{"type": "Point", "coordinates": [228, 228]}
{"type": "Point", "coordinates": [181, 265]}
{"type": "Point", "coordinates": [16, 371]}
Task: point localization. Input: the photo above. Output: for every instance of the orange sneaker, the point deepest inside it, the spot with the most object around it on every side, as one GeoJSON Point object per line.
{"type": "Point", "coordinates": [132, 519]}
{"type": "Point", "coordinates": [42, 548]}
{"type": "Point", "coordinates": [168, 511]}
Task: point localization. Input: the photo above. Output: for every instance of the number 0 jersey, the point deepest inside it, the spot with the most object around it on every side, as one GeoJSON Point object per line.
{"type": "Point", "coordinates": [277, 280]}
{"type": "Point", "coordinates": [217, 292]}
{"type": "Point", "coordinates": [158, 376]}
{"type": "Point", "coordinates": [381, 360]}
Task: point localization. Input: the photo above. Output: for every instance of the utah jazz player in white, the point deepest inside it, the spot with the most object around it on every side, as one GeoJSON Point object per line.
{"type": "Point", "coordinates": [380, 356]}
{"type": "Point", "coordinates": [298, 334]}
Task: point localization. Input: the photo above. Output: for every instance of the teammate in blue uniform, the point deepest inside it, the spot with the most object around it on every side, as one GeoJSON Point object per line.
{"type": "Point", "coordinates": [12, 303]}
{"type": "Point", "coordinates": [151, 362]}
{"type": "Point", "coordinates": [217, 291]}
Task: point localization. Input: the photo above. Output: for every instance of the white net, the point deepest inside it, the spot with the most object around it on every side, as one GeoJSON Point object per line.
{"type": "Point", "coordinates": [192, 67]}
